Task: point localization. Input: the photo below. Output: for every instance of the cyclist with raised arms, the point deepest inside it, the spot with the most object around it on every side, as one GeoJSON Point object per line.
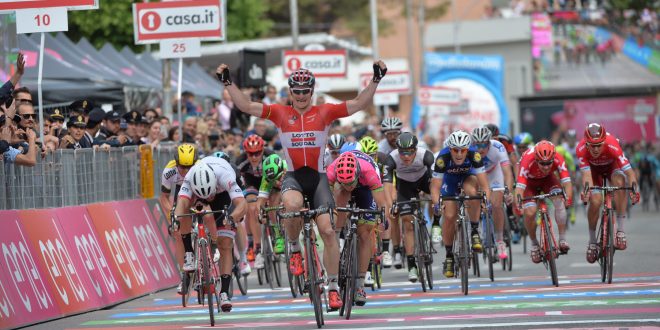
{"type": "Point", "coordinates": [458, 167]}
{"type": "Point", "coordinates": [599, 154]}
{"type": "Point", "coordinates": [185, 157]}
{"type": "Point", "coordinates": [212, 182]}
{"type": "Point", "coordinates": [249, 164]}
{"type": "Point", "coordinates": [499, 173]}
{"type": "Point", "coordinates": [538, 167]}
{"type": "Point", "coordinates": [332, 151]}
{"type": "Point", "coordinates": [357, 177]}
{"type": "Point", "coordinates": [413, 174]}
{"type": "Point", "coordinates": [303, 130]}
{"type": "Point", "coordinates": [269, 190]}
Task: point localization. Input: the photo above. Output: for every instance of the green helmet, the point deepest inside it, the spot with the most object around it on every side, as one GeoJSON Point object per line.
{"type": "Point", "coordinates": [273, 167]}
{"type": "Point", "coordinates": [369, 145]}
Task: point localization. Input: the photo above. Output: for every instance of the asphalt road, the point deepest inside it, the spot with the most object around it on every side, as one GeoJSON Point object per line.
{"type": "Point", "coordinates": [522, 298]}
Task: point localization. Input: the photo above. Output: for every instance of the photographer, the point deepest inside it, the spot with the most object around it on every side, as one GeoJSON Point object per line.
{"type": "Point", "coordinates": [8, 135]}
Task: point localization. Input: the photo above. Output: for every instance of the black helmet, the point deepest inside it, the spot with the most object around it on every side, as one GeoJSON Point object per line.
{"type": "Point", "coordinates": [493, 129]}
{"type": "Point", "coordinates": [406, 140]}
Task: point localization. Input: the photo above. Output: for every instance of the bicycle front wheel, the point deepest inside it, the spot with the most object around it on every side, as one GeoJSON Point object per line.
{"type": "Point", "coordinates": [549, 253]}
{"type": "Point", "coordinates": [464, 256]}
{"type": "Point", "coordinates": [419, 253]}
{"type": "Point", "coordinates": [205, 288]}
{"type": "Point", "coordinates": [428, 256]}
{"type": "Point", "coordinates": [610, 249]}
{"type": "Point", "coordinates": [312, 277]}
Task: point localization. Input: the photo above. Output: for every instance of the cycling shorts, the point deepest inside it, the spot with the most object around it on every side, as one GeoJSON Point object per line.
{"type": "Point", "coordinates": [496, 178]}
{"type": "Point", "coordinates": [453, 184]}
{"type": "Point", "coordinates": [364, 200]}
{"type": "Point", "coordinates": [311, 184]}
{"type": "Point", "coordinates": [405, 190]}
{"type": "Point", "coordinates": [220, 202]}
{"type": "Point", "coordinates": [546, 185]}
{"type": "Point", "coordinates": [597, 173]}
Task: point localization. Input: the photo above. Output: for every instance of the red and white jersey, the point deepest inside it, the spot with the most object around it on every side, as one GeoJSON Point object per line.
{"type": "Point", "coordinates": [612, 154]}
{"type": "Point", "coordinates": [304, 136]}
{"type": "Point", "coordinates": [529, 169]}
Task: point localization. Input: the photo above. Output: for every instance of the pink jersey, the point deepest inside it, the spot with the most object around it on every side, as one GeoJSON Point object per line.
{"type": "Point", "coordinates": [529, 169]}
{"type": "Point", "coordinates": [612, 154]}
{"type": "Point", "coordinates": [369, 173]}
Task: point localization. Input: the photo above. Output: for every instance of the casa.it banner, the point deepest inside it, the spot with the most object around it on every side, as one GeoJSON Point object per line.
{"type": "Point", "coordinates": [58, 262]}
{"type": "Point", "coordinates": [480, 80]}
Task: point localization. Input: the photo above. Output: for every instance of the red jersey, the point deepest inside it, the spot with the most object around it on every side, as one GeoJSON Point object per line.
{"type": "Point", "coordinates": [612, 154]}
{"type": "Point", "coordinates": [529, 169]}
{"type": "Point", "coordinates": [304, 136]}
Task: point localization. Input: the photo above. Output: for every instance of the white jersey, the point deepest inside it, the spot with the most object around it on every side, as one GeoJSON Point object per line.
{"type": "Point", "coordinates": [224, 174]}
{"type": "Point", "coordinates": [327, 158]}
{"type": "Point", "coordinates": [496, 157]}
{"type": "Point", "coordinates": [384, 147]}
{"type": "Point", "coordinates": [170, 179]}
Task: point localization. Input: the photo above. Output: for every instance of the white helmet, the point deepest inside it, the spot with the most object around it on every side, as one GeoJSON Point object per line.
{"type": "Point", "coordinates": [459, 139]}
{"type": "Point", "coordinates": [391, 124]}
{"type": "Point", "coordinates": [481, 134]}
{"type": "Point", "coordinates": [203, 182]}
{"type": "Point", "coordinates": [336, 141]}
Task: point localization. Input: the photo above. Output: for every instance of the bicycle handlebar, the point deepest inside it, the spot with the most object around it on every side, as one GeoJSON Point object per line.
{"type": "Point", "coordinates": [608, 189]}
{"type": "Point", "coordinates": [481, 196]}
{"type": "Point", "coordinates": [199, 213]}
{"type": "Point", "coordinates": [304, 212]}
{"type": "Point", "coordinates": [412, 201]}
{"type": "Point", "coordinates": [355, 210]}
{"type": "Point", "coordinates": [272, 208]}
{"type": "Point", "coordinates": [541, 196]}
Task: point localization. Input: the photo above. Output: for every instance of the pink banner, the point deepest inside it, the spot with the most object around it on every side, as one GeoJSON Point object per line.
{"type": "Point", "coordinates": [93, 266]}
{"type": "Point", "coordinates": [628, 118]}
{"type": "Point", "coordinates": [26, 295]}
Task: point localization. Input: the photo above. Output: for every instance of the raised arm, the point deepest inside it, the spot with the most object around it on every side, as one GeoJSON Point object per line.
{"type": "Point", "coordinates": [241, 100]}
{"type": "Point", "coordinates": [365, 97]}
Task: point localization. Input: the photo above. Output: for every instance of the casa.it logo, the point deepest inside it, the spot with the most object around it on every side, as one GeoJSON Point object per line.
{"type": "Point", "coordinates": [151, 21]}
{"type": "Point", "coordinates": [293, 64]}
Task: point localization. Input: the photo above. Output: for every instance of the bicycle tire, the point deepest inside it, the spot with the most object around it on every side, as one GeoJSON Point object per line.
{"type": "Point", "coordinates": [290, 276]}
{"type": "Point", "coordinates": [428, 257]}
{"type": "Point", "coordinates": [242, 287]}
{"type": "Point", "coordinates": [610, 249]}
{"type": "Point", "coordinates": [490, 244]}
{"type": "Point", "coordinates": [205, 287]}
{"type": "Point", "coordinates": [602, 248]}
{"type": "Point", "coordinates": [419, 253]}
{"type": "Point", "coordinates": [474, 259]}
{"type": "Point", "coordinates": [187, 287]}
{"type": "Point", "coordinates": [549, 254]}
{"type": "Point", "coordinates": [464, 257]}
{"type": "Point", "coordinates": [277, 270]}
{"type": "Point", "coordinates": [507, 263]}
{"type": "Point", "coordinates": [313, 291]}
{"type": "Point", "coordinates": [352, 278]}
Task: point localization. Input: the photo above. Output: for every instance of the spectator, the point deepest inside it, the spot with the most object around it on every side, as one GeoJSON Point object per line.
{"type": "Point", "coordinates": [109, 132]}
{"type": "Point", "coordinates": [76, 132]}
{"type": "Point", "coordinates": [133, 119]}
{"type": "Point", "coordinates": [271, 95]}
{"type": "Point", "coordinates": [189, 129]}
{"type": "Point", "coordinates": [173, 134]}
{"type": "Point", "coordinates": [143, 127]}
{"type": "Point", "coordinates": [93, 126]}
{"type": "Point", "coordinates": [153, 135]}
{"type": "Point", "coordinates": [80, 107]}
{"type": "Point", "coordinates": [189, 107]}
{"type": "Point", "coordinates": [7, 90]}
{"type": "Point", "coordinates": [150, 115]}
{"type": "Point", "coordinates": [53, 130]}
{"type": "Point", "coordinates": [224, 110]}
{"type": "Point", "coordinates": [28, 117]}
{"type": "Point", "coordinates": [13, 155]}
{"type": "Point", "coordinates": [165, 122]}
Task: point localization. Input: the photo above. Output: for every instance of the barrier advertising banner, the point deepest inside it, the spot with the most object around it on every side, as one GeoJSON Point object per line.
{"type": "Point", "coordinates": [480, 81]}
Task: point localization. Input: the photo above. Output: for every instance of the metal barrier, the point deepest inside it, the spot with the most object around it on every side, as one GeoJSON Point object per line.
{"type": "Point", "coordinates": [75, 177]}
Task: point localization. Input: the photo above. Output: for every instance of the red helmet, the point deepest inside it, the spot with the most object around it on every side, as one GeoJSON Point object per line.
{"type": "Point", "coordinates": [594, 133]}
{"type": "Point", "coordinates": [544, 151]}
{"type": "Point", "coordinates": [253, 143]}
{"type": "Point", "coordinates": [347, 168]}
{"type": "Point", "coordinates": [301, 78]}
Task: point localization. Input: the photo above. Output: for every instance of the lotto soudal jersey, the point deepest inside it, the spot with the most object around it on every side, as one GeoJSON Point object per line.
{"type": "Point", "coordinates": [304, 136]}
{"type": "Point", "coordinates": [170, 177]}
{"type": "Point", "coordinates": [411, 173]}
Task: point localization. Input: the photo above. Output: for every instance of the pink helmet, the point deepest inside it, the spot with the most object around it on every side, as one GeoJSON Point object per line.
{"type": "Point", "coordinates": [347, 169]}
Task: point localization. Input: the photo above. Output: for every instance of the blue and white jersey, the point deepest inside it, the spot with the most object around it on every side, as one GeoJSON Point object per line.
{"type": "Point", "coordinates": [445, 166]}
{"type": "Point", "coordinates": [496, 156]}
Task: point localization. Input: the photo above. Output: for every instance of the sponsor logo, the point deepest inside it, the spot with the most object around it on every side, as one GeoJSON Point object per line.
{"type": "Point", "coordinates": [439, 163]}
{"type": "Point", "coordinates": [170, 174]}
{"type": "Point", "coordinates": [477, 157]}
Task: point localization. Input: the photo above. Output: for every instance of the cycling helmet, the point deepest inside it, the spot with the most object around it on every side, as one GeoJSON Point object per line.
{"type": "Point", "coordinates": [336, 141]}
{"type": "Point", "coordinates": [348, 146]}
{"type": "Point", "coordinates": [481, 134]}
{"type": "Point", "coordinates": [273, 167]}
{"type": "Point", "coordinates": [459, 139]}
{"type": "Point", "coordinates": [544, 151]}
{"type": "Point", "coordinates": [347, 169]}
{"type": "Point", "coordinates": [594, 133]}
{"type": "Point", "coordinates": [571, 134]}
{"type": "Point", "coordinates": [253, 143]}
{"type": "Point", "coordinates": [186, 155]}
{"type": "Point", "coordinates": [301, 78]}
{"type": "Point", "coordinates": [369, 145]}
{"type": "Point", "coordinates": [523, 138]}
{"type": "Point", "coordinates": [203, 181]}
{"type": "Point", "coordinates": [391, 124]}
{"type": "Point", "coordinates": [406, 140]}
{"type": "Point", "coordinates": [493, 129]}
{"type": "Point", "coordinates": [220, 154]}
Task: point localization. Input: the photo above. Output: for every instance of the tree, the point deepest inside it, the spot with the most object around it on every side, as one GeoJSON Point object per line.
{"type": "Point", "coordinates": [113, 22]}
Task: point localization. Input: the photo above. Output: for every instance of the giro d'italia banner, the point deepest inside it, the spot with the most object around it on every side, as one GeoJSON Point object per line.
{"type": "Point", "coordinates": [479, 79]}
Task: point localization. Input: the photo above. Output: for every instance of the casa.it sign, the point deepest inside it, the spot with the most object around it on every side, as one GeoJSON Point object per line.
{"type": "Point", "coordinates": [155, 21]}
{"type": "Point", "coordinates": [397, 82]}
{"type": "Point", "coordinates": [9, 6]}
{"type": "Point", "coordinates": [322, 63]}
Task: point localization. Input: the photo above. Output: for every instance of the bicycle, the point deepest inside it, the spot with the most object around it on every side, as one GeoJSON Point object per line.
{"type": "Point", "coordinates": [314, 280]}
{"type": "Point", "coordinates": [424, 249]}
{"type": "Point", "coordinates": [508, 262]}
{"type": "Point", "coordinates": [549, 248]}
{"type": "Point", "coordinates": [462, 251]}
{"type": "Point", "coordinates": [272, 269]}
{"type": "Point", "coordinates": [375, 262]}
{"type": "Point", "coordinates": [348, 261]}
{"type": "Point", "coordinates": [605, 229]}
{"type": "Point", "coordinates": [205, 277]}
{"type": "Point", "coordinates": [241, 280]}
{"type": "Point", "coordinates": [489, 246]}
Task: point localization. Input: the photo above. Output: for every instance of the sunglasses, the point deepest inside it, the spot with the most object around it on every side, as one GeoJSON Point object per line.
{"type": "Point", "coordinates": [484, 145]}
{"type": "Point", "coordinates": [458, 150]}
{"type": "Point", "coordinates": [27, 116]}
{"type": "Point", "coordinates": [595, 145]}
{"type": "Point", "coordinates": [301, 91]}
{"type": "Point", "coordinates": [24, 101]}
{"type": "Point", "coordinates": [547, 163]}
{"type": "Point", "coordinates": [393, 133]}
{"type": "Point", "coordinates": [254, 154]}
{"type": "Point", "coordinates": [407, 152]}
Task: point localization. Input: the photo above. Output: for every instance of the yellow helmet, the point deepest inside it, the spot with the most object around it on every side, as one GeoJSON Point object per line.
{"type": "Point", "coordinates": [186, 155]}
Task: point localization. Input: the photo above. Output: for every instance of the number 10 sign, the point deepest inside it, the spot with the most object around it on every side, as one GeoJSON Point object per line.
{"type": "Point", "coordinates": [42, 20]}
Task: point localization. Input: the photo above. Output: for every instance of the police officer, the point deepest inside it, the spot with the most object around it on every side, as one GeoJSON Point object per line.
{"type": "Point", "coordinates": [133, 120]}
{"type": "Point", "coordinates": [76, 131]}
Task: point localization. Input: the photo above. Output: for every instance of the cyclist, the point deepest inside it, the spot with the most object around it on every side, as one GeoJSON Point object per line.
{"type": "Point", "coordinates": [390, 127]}
{"type": "Point", "coordinates": [570, 165]}
{"type": "Point", "coordinates": [212, 182]}
{"type": "Point", "coordinates": [413, 173]}
{"type": "Point", "coordinates": [303, 132]}
{"type": "Point", "coordinates": [499, 173]}
{"type": "Point", "coordinates": [171, 179]}
{"type": "Point", "coordinates": [599, 154]}
{"type": "Point", "coordinates": [371, 148]}
{"type": "Point", "coordinates": [269, 190]}
{"type": "Point", "coordinates": [537, 173]}
{"type": "Point", "coordinates": [335, 142]}
{"type": "Point", "coordinates": [458, 167]}
{"type": "Point", "coordinates": [523, 142]}
{"type": "Point", "coordinates": [249, 164]}
{"type": "Point", "coordinates": [358, 178]}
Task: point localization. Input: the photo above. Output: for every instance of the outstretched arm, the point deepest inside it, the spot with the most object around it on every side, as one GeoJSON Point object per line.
{"type": "Point", "coordinates": [364, 99]}
{"type": "Point", "coordinates": [241, 100]}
